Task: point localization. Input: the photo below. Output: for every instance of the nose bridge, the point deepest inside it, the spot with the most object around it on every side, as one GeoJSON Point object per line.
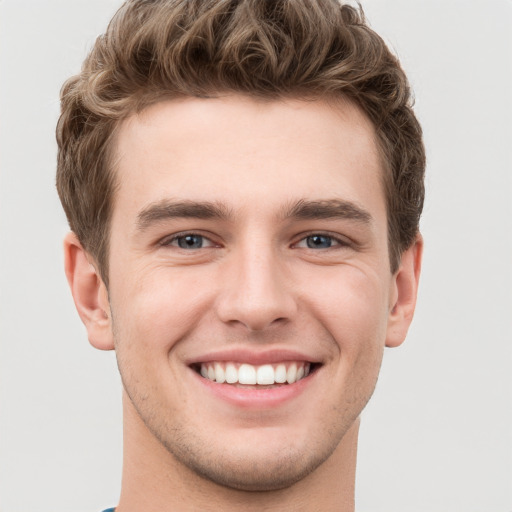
{"type": "Point", "coordinates": [255, 291]}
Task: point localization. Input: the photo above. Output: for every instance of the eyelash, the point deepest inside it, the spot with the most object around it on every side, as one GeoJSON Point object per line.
{"type": "Point", "coordinates": [339, 242]}
{"type": "Point", "coordinates": [168, 242]}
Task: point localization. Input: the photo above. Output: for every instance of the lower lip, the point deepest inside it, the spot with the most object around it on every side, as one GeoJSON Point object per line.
{"type": "Point", "coordinates": [257, 398]}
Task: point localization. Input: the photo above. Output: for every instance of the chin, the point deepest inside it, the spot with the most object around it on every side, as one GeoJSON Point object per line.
{"type": "Point", "coordinates": [252, 462]}
{"type": "Point", "coordinates": [249, 473]}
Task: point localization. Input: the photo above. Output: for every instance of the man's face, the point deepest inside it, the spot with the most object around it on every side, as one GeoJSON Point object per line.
{"type": "Point", "coordinates": [249, 238]}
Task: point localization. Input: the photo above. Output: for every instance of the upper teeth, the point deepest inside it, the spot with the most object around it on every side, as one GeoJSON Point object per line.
{"type": "Point", "coordinates": [267, 374]}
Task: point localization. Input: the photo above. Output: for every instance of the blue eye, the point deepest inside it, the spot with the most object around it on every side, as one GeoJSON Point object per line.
{"type": "Point", "coordinates": [319, 241]}
{"type": "Point", "coordinates": [322, 241]}
{"type": "Point", "coordinates": [189, 241]}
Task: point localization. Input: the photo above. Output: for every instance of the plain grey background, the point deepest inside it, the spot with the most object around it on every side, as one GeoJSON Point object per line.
{"type": "Point", "coordinates": [437, 435]}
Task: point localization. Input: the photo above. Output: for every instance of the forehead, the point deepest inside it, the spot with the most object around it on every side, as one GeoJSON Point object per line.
{"type": "Point", "coordinates": [243, 152]}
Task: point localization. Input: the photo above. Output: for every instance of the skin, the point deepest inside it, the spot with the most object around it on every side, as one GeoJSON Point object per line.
{"type": "Point", "coordinates": [257, 286]}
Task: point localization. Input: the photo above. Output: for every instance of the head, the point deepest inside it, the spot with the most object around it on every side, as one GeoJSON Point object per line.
{"type": "Point", "coordinates": [153, 51]}
{"type": "Point", "coordinates": [244, 181]}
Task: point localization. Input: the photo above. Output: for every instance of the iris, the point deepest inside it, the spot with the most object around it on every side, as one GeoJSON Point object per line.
{"type": "Point", "coordinates": [319, 242]}
{"type": "Point", "coordinates": [190, 242]}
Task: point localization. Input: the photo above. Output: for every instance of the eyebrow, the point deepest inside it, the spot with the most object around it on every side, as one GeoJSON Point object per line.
{"type": "Point", "coordinates": [328, 209]}
{"type": "Point", "coordinates": [167, 209]}
{"type": "Point", "coordinates": [301, 210]}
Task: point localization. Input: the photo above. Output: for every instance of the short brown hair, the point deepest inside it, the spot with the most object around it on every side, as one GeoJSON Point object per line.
{"type": "Point", "coordinates": [161, 49]}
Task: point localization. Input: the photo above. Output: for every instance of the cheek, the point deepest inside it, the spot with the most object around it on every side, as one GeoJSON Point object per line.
{"type": "Point", "coordinates": [156, 310]}
{"type": "Point", "coordinates": [353, 306]}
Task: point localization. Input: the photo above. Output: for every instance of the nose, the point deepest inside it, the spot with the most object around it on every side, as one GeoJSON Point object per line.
{"type": "Point", "coordinates": [256, 291]}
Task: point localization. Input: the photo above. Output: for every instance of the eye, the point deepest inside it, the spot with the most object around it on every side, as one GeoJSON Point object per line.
{"type": "Point", "coordinates": [188, 241]}
{"type": "Point", "coordinates": [319, 241]}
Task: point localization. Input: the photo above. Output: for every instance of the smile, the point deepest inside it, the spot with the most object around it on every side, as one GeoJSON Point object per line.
{"type": "Point", "coordinates": [248, 374]}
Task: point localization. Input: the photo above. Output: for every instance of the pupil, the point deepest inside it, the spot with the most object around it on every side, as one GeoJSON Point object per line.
{"type": "Point", "coordinates": [319, 241]}
{"type": "Point", "coordinates": [190, 242]}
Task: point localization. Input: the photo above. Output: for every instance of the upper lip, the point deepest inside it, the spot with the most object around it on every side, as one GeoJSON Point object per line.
{"type": "Point", "coordinates": [254, 357]}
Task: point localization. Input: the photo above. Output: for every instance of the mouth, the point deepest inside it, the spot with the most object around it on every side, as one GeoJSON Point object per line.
{"type": "Point", "coordinates": [257, 376]}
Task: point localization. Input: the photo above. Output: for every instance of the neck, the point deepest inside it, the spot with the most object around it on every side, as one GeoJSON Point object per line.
{"type": "Point", "coordinates": [154, 480]}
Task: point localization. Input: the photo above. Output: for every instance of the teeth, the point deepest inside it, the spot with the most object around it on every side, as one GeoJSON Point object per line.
{"type": "Point", "coordinates": [291, 374]}
{"type": "Point", "coordinates": [231, 373]}
{"type": "Point", "coordinates": [280, 374]}
{"type": "Point", "coordinates": [220, 375]}
{"type": "Point", "coordinates": [247, 374]}
{"type": "Point", "coordinates": [264, 375]}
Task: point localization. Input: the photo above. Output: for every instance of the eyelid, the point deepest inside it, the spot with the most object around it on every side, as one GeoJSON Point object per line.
{"type": "Point", "coordinates": [341, 241]}
{"type": "Point", "coordinates": [169, 239]}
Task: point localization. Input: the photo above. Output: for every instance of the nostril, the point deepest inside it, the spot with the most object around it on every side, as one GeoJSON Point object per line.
{"type": "Point", "coordinates": [256, 302]}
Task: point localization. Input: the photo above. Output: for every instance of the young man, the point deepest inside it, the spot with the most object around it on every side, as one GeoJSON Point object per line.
{"type": "Point", "coordinates": [243, 181]}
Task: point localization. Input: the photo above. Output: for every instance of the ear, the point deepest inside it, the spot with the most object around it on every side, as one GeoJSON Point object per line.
{"type": "Point", "coordinates": [89, 293]}
{"type": "Point", "coordinates": [404, 293]}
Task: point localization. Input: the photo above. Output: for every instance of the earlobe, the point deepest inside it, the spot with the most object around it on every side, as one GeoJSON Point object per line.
{"type": "Point", "coordinates": [405, 283]}
{"type": "Point", "coordinates": [89, 293]}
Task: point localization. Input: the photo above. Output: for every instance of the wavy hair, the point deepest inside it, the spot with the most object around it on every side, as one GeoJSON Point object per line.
{"type": "Point", "coordinates": [161, 49]}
